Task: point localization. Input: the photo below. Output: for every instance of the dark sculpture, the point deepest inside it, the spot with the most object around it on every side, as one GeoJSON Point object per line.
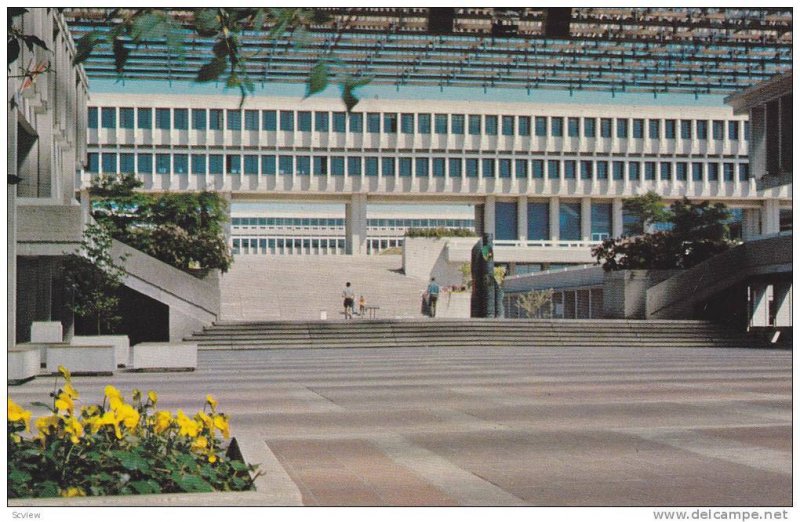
{"type": "Point", "coordinates": [487, 295]}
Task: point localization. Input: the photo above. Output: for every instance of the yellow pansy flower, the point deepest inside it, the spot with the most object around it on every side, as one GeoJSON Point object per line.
{"type": "Point", "coordinates": [65, 373]}
{"type": "Point", "coordinates": [200, 444]}
{"type": "Point", "coordinates": [90, 411]}
{"type": "Point", "coordinates": [163, 420]}
{"type": "Point", "coordinates": [127, 415]}
{"type": "Point", "coordinates": [17, 413]}
{"type": "Point", "coordinates": [212, 458]}
{"type": "Point", "coordinates": [69, 390]}
{"type": "Point", "coordinates": [153, 396]}
{"type": "Point", "coordinates": [137, 395]}
{"type": "Point", "coordinates": [211, 402]}
{"type": "Point", "coordinates": [64, 402]}
{"type": "Point", "coordinates": [74, 429]}
{"type": "Point", "coordinates": [45, 424]}
{"type": "Point", "coordinates": [187, 426]}
{"type": "Point", "coordinates": [205, 419]}
{"type": "Point", "coordinates": [221, 423]}
{"type": "Point", "coordinates": [73, 492]}
{"type": "Point", "coordinates": [114, 397]}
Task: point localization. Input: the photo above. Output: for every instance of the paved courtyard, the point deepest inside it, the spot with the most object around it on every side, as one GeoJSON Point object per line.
{"type": "Point", "coordinates": [497, 426]}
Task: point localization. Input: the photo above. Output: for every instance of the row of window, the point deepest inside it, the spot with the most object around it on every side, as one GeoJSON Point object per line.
{"type": "Point", "coordinates": [325, 245]}
{"type": "Point", "coordinates": [271, 164]}
{"type": "Point", "coordinates": [415, 123]}
{"type": "Point", "coordinates": [400, 223]}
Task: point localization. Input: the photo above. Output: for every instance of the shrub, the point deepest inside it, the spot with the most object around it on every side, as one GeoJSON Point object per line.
{"type": "Point", "coordinates": [440, 232]}
{"type": "Point", "coordinates": [119, 448]}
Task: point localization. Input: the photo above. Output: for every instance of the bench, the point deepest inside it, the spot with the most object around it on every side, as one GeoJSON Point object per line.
{"type": "Point", "coordinates": [91, 359]}
{"type": "Point", "coordinates": [164, 357]}
{"type": "Point", "coordinates": [24, 363]}
{"type": "Point", "coordinates": [121, 345]}
{"type": "Point", "coordinates": [372, 311]}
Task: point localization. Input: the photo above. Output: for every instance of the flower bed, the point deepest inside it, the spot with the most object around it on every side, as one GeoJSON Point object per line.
{"type": "Point", "coordinates": [120, 448]}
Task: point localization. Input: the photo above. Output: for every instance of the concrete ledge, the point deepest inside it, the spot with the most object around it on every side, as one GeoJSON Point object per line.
{"type": "Point", "coordinates": [97, 359]}
{"type": "Point", "coordinates": [121, 343]}
{"type": "Point", "coordinates": [46, 332]}
{"type": "Point", "coordinates": [24, 363]}
{"type": "Point", "coordinates": [164, 357]}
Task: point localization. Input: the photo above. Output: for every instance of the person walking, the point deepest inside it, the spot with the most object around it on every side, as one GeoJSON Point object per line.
{"type": "Point", "coordinates": [362, 306]}
{"type": "Point", "coordinates": [433, 296]}
{"type": "Point", "coordinates": [348, 296]}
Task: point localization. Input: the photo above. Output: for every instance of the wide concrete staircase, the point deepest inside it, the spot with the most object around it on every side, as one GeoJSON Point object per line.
{"type": "Point", "coordinates": [472, 332]}
{"type": "Point", "coordinates": [298, 288]}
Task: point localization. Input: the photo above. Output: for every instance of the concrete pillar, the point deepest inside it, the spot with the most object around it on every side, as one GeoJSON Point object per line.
{"type": "Point", "coordinates": [751, 223]}
{"type": "Point", "coordinates": [522, 218]}
{"type": "Point", "coordinates": [11, 220]}
{"type": "Point", "coordinates": [355, 225]}
{"type": "Point", "coordinates": [770, 217]}
{"type": "Point", "coordinates": [759, 299]}
{"type": "Point", "coordinates": [555, 222]}
{"type": "Point", "coordinates": [489, 216]}
{"type": "Point", "coordinates": [616, 218]}
{"type": "Point", "coordinates": [782, 294]}
{"type": "Point", "coordinates": [586, 219]}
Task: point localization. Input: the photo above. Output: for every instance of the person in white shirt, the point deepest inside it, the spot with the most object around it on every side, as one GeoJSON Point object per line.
{"type": "Point", "coordinates": [348, 296]}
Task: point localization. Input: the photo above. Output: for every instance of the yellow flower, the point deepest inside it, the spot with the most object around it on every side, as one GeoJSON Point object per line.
{"type": "Point", "coordinates": [137, 395]}
{"type": "Point", "coordinates": [187, 426]}
{"type": "Point", "coordinates": [64, 402]}
{"type": "Point", "coordinates": [127, 415]}
{"type": "Point", "coordinates": [212, 458]}
{"type": "Point", "coordinates": [65, 373]}
{"type": "Point", "coordinates": [200, 444]}
{"type": "Point", "coordinates": [90, 411]}
{"type": "Point", "coordinates": [73, 492]}
{"type": "Point", "coordinates": [163, 421]}
{"type": "Point", "coordinates": [205, 419]}
{"type": "Point", "coordinates": [74, 429]}
{"type": "Point", "coordinates": [114, 397]}
{"type": "Point", "coordinates": [45, 424]}
{"type": "Point", "coordinates": [17, 413]}
{"type": "Point", "coordinates": [211, 402]}
{"type": "Point", "coordinates": [221, 423]}
{"type": "Point", "coordinates": [153, 396]}
{"type": "Point", "coordinates": [72, 392]}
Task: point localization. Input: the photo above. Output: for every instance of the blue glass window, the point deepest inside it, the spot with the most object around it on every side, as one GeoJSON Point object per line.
{"type": "Point", "coordinates": [268, 164]}
{"type": "Point", "coordinates": [508, 125]}
{"type": "Point", "coordinates": [387, 167]}
{"type": "Point", "coordinates": [321, 121]}
{"type": "Point", "coordinates": [440, 123]}
{"type": "Point", "coordinates": [250, 120]}
{"type": "Point", "coordinates": [162, 163]}
{"type": "Point", "coordinates": [126, 117]}
{"type": "Point", "coordinates": [569, 218]}
{"type": "Point", "coordinates": [337, 166]}
{"type": "Point", "coordinates": [713, 172]}
{"type": "Point", "coordinates": [557, 126]}
{"type": "Point", "coordinates": [638, 128]}
{"type": "Point", "coordinates": [602, 170]}
{"type": "Point", "coordinates": [356, 122]}
{"type": "Point", "coordinates": [339, 121]}
{"type": "Point", "coordinates": [269, 120]}
{"type": "Point", "coordinates": [569, 169]}
{"type": "Point", "coordinates": [472, 167]}
{"type": "Point", "coordinates": [573, 127]}
{"type": "Point", "coordinates": [287, 121]}
{"type": "Point", "coordinates": [521, 168]}
{"type": "Point", "coordinates": [438, 167]}
{"type": "Point", "coordinates": [163, 120]}
{"type": "Point", "coordinates": [454, 167]}
{"type": "Point", "coordinates": [717, 128]}
{"type": "Point", "coordinates": [589, 127]}
{"type": "Point", "coordinates": [669, 129]}
{"type": "Point", "coordinates": [649, 170]}
{"type": "Point", "coordinates": [251, 164]}
{"type": "Point", "coordinates": [686, 129]}
{"type": "Point", "coordinates": [354, 166]}
{"type": "Point", "coordinates": [490, 125]}
{"type": "Point", "coordinates": [605, 127]}
{"type": "Point", "coordinates": [405, 167]}
{"type": "Point", "coordinates": [505, 224]}
{"type": "Point", "coordinates": [127, 163]}
{"type": "Point", "coordinates": [424, 123]}
{"type": "Point", "coordinates": [303, 165]}
{"type": "Point", "coordinates": [622, 128]}
{"type": "Point", "coordinates": [681, 169]}
{"type": "Point", "coordinates": [728, 171]}
{"type": "Point", "coordinates": [654, 130]}
{"type": "Point", "coordinates": [92, 117]}
{"type": "Point", "coordinates": [421, 167]}
{"type": "Point", "coordinates": [504, 167]}
{"type": "Point", "coordinates": [144, 117]}
{"type": "Point", "coordinates": [198, 163]}
{"type": "Point", "coordinates": [747, 130]}
{"type": "Point", "coordinates": [524, 124]}
{"type": "Point", "coordinates": [181, 118]}
{"type": "Point", "coordinates": [285, 165]}
{"type": "Point", "coordinates": [321, 166]}
{"type": "Point", "coordinates": [109, 117]}
{"type": "Point", "coordinates": [733, 130]}
{"type": "Point", "coordinates": [215, 163]}
{"type": "Point", "coordinates": [701, 126]}
{"type": "Point", "coordinates": [215, 117]}
{"type": "Point", "coordinates": [144, 163]}
{"type": "Point", "coordinates": [390, 123]}
{"type": "Point", "coordinates": [487, 167]}
{"type": "Point", "coordinates": [666, 171]}
{"type": "Point", "coordinates": [373, 122]}
{"type": "Point", "coordinates": [553, 169]}
{"type": "Point", "coordinates": [601, 221]}
{"type": "Point", "coordinates": [633, 170]}
{"type": "Point", "coordinates": [537, 167]}
{"type": "Point", "coordinates": [697, 171]}
{"type": "Point", "coordinates": [371, 166]}
{"type": "Point", "coordinates": [407, 123]}
{"type": "Point", "coordinates": [199, 119]}
{"type": "Point", "coordinates": [304, 121]}
{"type": "Point", "coordinates": [586, 169]}
{"type": "Point", "coordinates": [180, 163]}
{"type": "Point", "coordinates": [457, 123]}
{"type": "Point", "coordinates": [539, 221]}
{"type": "Point", "coordinates": [541, 126]}
{"type": "Point", "coordinates": [619, 170]}
{"type": "Point", "coordinates": [93, 162]}
{"type": "Point", "coordinates": [233, 164]}
{"type": "Point", "coordinates": [744, 171]}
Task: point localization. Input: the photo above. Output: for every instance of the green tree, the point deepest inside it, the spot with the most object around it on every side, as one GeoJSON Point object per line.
{"type": "Point", "coordinates": [646, 209]}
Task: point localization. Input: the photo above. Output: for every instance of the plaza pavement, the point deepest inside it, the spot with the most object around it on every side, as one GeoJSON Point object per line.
{"type": "Point", "coordinates": [495, 426]}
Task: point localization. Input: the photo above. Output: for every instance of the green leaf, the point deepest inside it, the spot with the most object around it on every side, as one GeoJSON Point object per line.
{"type": "Point", "coordinates": [19, 476]}
{"type": "Point", "coordinates": [31, 40]}
{"type": "Point", "coordinates": [13, 50]}
{"type": "Point", "coordinates": [85, 45]}
{"type": "Point", "coordinates": [206, 22]}
{"type": "Point", "coordinates": [149, 25]}
{"type": "Point", "coordinates": [192, 483]}
{"type": "Point", "coordinates": [42, 405]}
{"type": "Point", "coordinates": [132, 461]}
{"type": "Point", "coordinates": [211, 70]}
{"type": "Point", "coordinates": [144, 487]}
{"type": "Point", "coordinates": [120, 55]}
{"type": "Point", "coordinates": [318, 79]}
{"type": "Point", "coordinates": [48, 488]}
{"type": "Point", "coordinates": [259, 19]}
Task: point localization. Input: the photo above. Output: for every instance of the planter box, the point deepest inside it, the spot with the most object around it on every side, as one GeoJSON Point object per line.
{"type": "Point", "coordinates": [96, 359]}
{"type": "Point", "coordinates": [164, 357]}
{"type": "Point", "coordinates": [47, 332]}
{"type": "Point", "coordinates": [121, 343]}
{"type": "Point", "coordinates": [24, 363]}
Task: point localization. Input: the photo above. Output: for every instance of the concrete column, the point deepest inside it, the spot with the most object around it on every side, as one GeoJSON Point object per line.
{"type": "Point", "coordinates": [489, 216]}
{"type": "Point", "coordinates": [586, 219]}
{"type": "Point", "coordinates": [356, 225]}
{"type": "Point", "coordinates": [616, 218]}
{"type": "Point", "coordinates": [555, 222]}
{"type": "Point", "coordinates": [522, 218]}
{"type": "Point", "coordinates": [227, 226]}
{"type": "Point", "coordinates": [751, 223]}
{"type": "Point", "coordinates": [770, 217]}
{"type": "Point", "coordinates": [759, 297]}
{"type": "Point", "coordinates": [11, 219]}
{"type": "Point", "coordinates": [782, 293]}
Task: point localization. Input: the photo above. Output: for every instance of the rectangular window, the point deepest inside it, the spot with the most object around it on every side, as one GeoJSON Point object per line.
{"type": "Point", "coordinates": [521, 168]}
{"type": "Point", "coordinates": [697, 171]}
{"type": "Point", "coordinates": [602, 170]}
{"type": "Point", "coordinates": [681, 169]}
{"type": "Point", "coordinates": [569, 217]}
{"type": "Point", "coordinates": [321, 121]}
{"type": "Point", "coordinates": [251, 164]}
{"type": "Point", "coordinates": [92, 117]}
{"type": "Point", "coordinates": [373, 122]}
{"type": "Point", "coordinates": [553, 169]}
{"type": "Point", "coordinates": [250, 120]}
{"type": "Point", "coordinates": [686, 129]}
{"type": "Point", "coordinates": [198, 163]}
{"type": "Point", "coordinates": [605, 127]}
{"type": "Point", "coordinates": [474, 125]}
{"type": "Point", "coordinates": [472, 167]}
{"type": "Point", "coordinates": [268, 165]}
{"type": "Point", "coordinates": [717, 128]}
{"type": "Point", "coordinates": [537, 168]}
{"type": "Point", "coordinates": [649, 170]}
{"type": "Point", "coordinates": [407, 123]}
{"type": "Point", "coordinates": [127, 163]}
{"type": "Point", "coordinates": [233, 164]}
{"type": "Point", "coordinates": [356, 122]}
{"type": "Point", "coordinates": [669, 129]}
{"type": "Point", "coordinates": [215, 163]}
{"type": "Point", "coordinates": [454, 167]}
{"type": "Point", "coordinates": [586, 169]}
{"type": "Point", "coordinates": [541, 126]}
{"type": "Point", "coordinates": [666, 171]}
{"type": "Point", "coordinates": [199, 119]}
{"type": "Point", "coordinates": [162, 163]}
{"type": "Point", "coordinates": [747, 131]}
{"type": "Point", "coordinates": [524, 125]}
{"type": "Point", "coordinates": [633, 170]}
{"type": "Point", "coordinates": [457, 124]}
{"type": "Point", "coordinates": [573, 127]}
{"type": "Point", "coordinates": [405, 167]}
{"type": "Point", "coordinates": [733, 130]}
{"type": "Point", "coordinates": [487, 167]}
{"type": "Point", "coordinates": [287, 121]}
{"type": "Point", "coordinates": [109, 162]}
{"type": "Point", "coordinates": [557, 126]}
{"type": "Point", "coordinates": [109, 117]}
{"type": "Point", "coordinates": [505, 223]}
{"type": "Point", "coordinates": [421, 167]}
{"type": "Point", "coordinates": [269, 120]}
{"type": "Point", "coordinates": [304, 121]}
{"type": "Point", "coordinates": [618, 171]}
{"type": "Point", "coordinates": [163, 120]}
{"type": "Point", "coordinates": [601, 221]}
{"type": "Point", "coordinates": [622, 128]}
{"type": "Point", "coordinates": [354, 166]}
{"type": "Point", "coordinates": [180, 163]}
{"type": "Point", "coordinates": [728, 171]}
{"type": "Point", "coordinates": [371, 166]}
{"type": "Point", "coordinates": [508, 125]}
{"type": "Point", "coordinates": [504, 167]}
{"type": "Point", "coordinates": [701, 126]}
{"type": "Point", "coordinates": [569, 169]}
{"type": "Point", "coordinates": [589, 127]}
{"type": "Point", "coordinates": [744, 172]}
{"type": "Point", "coordinates": [303, 165]}
{"type": "Point", "coordinates": [440, 123]}
{"type": "Point", "coordinates": [337, 166]}
{"type": "Point", "coordinates": [438, 167]}
{"type": "Point", "coordinates": [638, 128]}
{"type": "Point", "coordinates": [321, 166]}
{"type": "Point", "coordinates": [490, 125]}
{"type": "Point", "coordinates": [424, 123]}
{"type": "Point", "coordinates": [713, 172]}
{"type": "Point", "coordinates": [539, 221]}
{"type": "Point", "coordinates": [387, 167]}
{"type": "Point", "coordinates": [339, 121]}
{"type": "Point", "coordinates": [654, 130]}
{"type": "Point", "coordinates": [126, 117]}
{"type": "Point", "coordinates": [215, 119]}
{"type": "Point", "coordinates": [144, 118]}
{"type": "Point", "coordinates": [144, 163]}
{"type": "Point", "coordinates": [285, 165]}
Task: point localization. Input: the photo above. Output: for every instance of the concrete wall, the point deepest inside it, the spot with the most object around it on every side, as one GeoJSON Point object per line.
{"type": "Point", "coordinates": [454, 305]}
{"type": "Point", "coordinates": [424, 258]}
{"type": "Point", "coordinates": [625, 292]}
